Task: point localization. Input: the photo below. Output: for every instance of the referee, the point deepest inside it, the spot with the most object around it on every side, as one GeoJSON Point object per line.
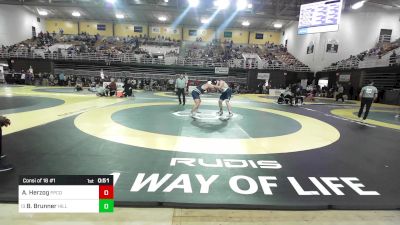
{"type": "Point", "coordinates": [180, 85]}
{"type": "Point", "coordinates": [368, 95]}
{"type": "Point", "coordinates": [4, 122]}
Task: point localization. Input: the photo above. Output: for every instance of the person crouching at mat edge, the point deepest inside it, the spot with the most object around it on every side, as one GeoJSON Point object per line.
{"type": "Point", "coordinates": [197, 91]}
{"type": "Point", "coordinates": [180, 85]}
{"type": "Point", "coordinates": [4, 122]}
{"type": "Point", "coordinates": [368, 95]}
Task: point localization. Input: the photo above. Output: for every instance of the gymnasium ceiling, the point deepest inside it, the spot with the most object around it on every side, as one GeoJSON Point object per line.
{"type": "Point", "coordinates": [263, 15]}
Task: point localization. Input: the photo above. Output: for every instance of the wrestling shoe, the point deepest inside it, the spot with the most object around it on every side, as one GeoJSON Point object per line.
{"type": "Point", "coordinates": [2, 156]}
{"type": "Point", "coordinates": [220, 113]}
{"type": "Point", "coordinates": [230, 114]}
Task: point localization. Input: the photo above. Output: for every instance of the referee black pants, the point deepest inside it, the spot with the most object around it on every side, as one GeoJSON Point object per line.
{"type": "Point", "coordinates": [1, 141]}
{"type": "Point", "coordinates": [365, 102]}
{"type": "Point", "coordinates": [181, 91]}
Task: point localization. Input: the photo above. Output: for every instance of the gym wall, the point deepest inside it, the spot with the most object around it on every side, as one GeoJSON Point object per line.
{"type": "Point", "coordinates": [16, 24]}
{"type": "Point", "coordinates": [358, 31]}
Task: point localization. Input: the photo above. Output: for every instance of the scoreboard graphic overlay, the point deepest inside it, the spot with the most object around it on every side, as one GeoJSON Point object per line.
{"type": "Point", "coordinates": [66, 194]}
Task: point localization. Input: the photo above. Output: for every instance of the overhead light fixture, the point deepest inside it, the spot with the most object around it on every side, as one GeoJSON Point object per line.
{"type": "Point", "coordinates": [111, 1]}
{"type": "Point", "coordinates": [358, 5]}
{"type": "Point", "coordinates": [43, 12]}
{"type": "Point", "coordinates": [222, 4]}
{"type": "Point", "coordinates": [278, 25]}
{"type": "Point", "coordinates": [119, 16]}
{"type": "Point", "coordinates": [246, 23]}
{"type": "Point", "coordinates": [250, 6]}
{"type": "Point", "coordinates": [76, 14]}
{"type": "Point", "coordinates": [241, 4]}
{"type": "Point", "coordinates": [193, 3]}
{"type": "Point", "coordinates": [162, 18]}
{"type": "Point", "coordinates": [166, 1]}
{"type": "Point", "coordinates": [205, 21]}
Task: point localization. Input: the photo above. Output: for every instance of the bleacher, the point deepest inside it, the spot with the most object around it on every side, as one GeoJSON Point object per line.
{"type": "Point", "coordinates": [153, 51]}
{"type": "Point", "coordinates": [379, 56]}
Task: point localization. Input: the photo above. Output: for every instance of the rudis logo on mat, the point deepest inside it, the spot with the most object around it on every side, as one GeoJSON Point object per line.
{"type": "Point", "coordinates": [241, 183]}
{"type": "Point", "coordinates": [228, 163]}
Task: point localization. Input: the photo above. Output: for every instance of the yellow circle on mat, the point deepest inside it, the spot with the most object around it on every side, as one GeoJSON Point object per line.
{"type": "Point", "coordinates": [313, 134]}
{"type": "Point", "coordinates": [349, 114]}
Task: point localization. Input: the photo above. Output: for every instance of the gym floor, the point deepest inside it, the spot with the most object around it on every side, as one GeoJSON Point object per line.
{"type": "Point", "coordinates": [315, 154]}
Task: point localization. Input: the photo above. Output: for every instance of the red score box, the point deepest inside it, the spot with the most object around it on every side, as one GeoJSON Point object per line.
{"type": "Point", "coordinates": [106, 192]}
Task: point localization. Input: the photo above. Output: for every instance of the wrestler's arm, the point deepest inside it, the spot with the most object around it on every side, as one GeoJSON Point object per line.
{"type": "Point", "coordinates": [220, 85]}
{"type": "Point", "coordinates": [209, 87]}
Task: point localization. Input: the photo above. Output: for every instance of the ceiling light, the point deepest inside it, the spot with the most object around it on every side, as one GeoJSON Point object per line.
{"type": "Point", "coordinates": [119, 16]}
{"type": "Point", "coordinates": [358, 5]}
{"type": "Point", "coordinates": [111, 1]}
{"type": "Point", "coordinates": [162, 18]}
{"type": "Point", "coordinates": [76, 14]}
{"type": "Point", "coordinates": [193, 3]}
{"type": "Point", "coordinates": [166, 1]}
{"type": "Point", "coordinates": [278, 25]}
{"type": "Point", "coordinates": [222, 4]}
{"type": "Point", "coordinates": [250, 6]}
{"type": "Point", "coordinates": [246, 23]}
{"type": "Point", "coordinates": [205, 20]}
{"type": "Point", "coordinates": [43, 13]}
{"type": "Point", "coordinates": [241, 4]}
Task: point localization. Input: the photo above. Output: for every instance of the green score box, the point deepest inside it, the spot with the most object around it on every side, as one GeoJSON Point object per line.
{"type": "Point", "coordinates": [106, 205]}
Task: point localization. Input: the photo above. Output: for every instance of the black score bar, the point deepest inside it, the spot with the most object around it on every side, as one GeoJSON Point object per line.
{"type": "Point", "coordinates": [66, 180]}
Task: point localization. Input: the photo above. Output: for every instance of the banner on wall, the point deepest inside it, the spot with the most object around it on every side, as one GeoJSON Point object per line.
{"type": "Point", "coordinates": [310, 48]}
{"type": "Point", "coordinates": [192, 32]}
{"type": "Point", "coordinates": [170, 30]}
{"type": "Point", "coordinates": [227, 34]}
{"type": "Point", "coordinates": [344, 77]}
{"type": "Point", "coordinates": [259, 36]}
{"type": "Point", "coordinates": [101, 27]}
{"type": "Point", "coordinates": [155, 30]}
{"type": "Point", "coordinates": [222, 70]}
{"type": "Point", "coordinates": [263, 76]}
{"type": "Point", "coordinates": [332, 46]}
{"type": "Point", "coordinates": [138, 29]}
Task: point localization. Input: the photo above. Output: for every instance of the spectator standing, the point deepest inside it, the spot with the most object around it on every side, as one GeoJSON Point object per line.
{"type": "Point", "coordinates": [61, 78]}
{"type": "Point", "coordinates": [368, 95]}
{"type": "Point", "coordinates": [351, 92]}
{"type": "Point", "coordinates": [170, 84]}
{"type": "Point", "coordinates": [51, 78]}
{"type": "Point", "coordinates": [340, 92]}
{"type": "Point", "coordinates": [23, 77]}
{"type": "Point", "coordinates": [180, 85]}
{"type": "Point", "coordinates": [4, 122]}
